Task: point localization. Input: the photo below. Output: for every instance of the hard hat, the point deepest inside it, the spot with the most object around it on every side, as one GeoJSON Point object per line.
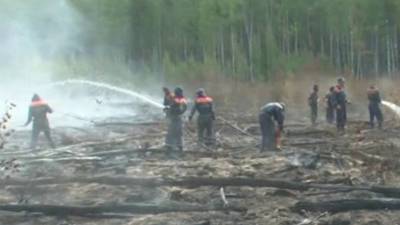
{"type": "Point", "coordinates": [35, 98]}
{"type": "Point", "coordinates": [283, 106]}
{"type": "Point", "coordinates": [200, 91]}
{"type": "Point", "coordinates": [178, 91]}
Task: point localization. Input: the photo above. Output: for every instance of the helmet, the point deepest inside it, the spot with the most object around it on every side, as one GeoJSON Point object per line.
{"type": "Point", "coordinates": [35, 98]}
{"type": "Point", "coordinates": [178, 92]}
{"type": "Point", "coordinates": [283, 106]}
{"type": "Point", "coordinates": [341, 80]}
{"type": "Point", "coordinates": [315, 87]}
{"type": "Point", "coordinates": [200, 92]}
{"type": "Point", "coordinates": [166, 90]}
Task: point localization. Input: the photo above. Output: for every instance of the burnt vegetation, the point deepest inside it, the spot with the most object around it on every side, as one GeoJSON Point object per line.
{"type": "Point", "coordinates": [317, 178]}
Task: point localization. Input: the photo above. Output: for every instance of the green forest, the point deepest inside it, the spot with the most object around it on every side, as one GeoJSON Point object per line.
{"type": "Point", "coordinates": [246, 39]}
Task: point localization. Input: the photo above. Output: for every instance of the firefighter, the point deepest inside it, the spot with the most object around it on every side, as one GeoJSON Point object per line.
{"type": "Point", "coordinates": [175, 110]}
{"type": "Point", "coordinates": [270, 114]}
{"type": "Point", "coordinates": [313, 103]}
{"type": "Point", "coordinates": [168, 96]}
{"type": "Point", "coordinates": [38, 111]}
{"type": "Point", "coordinates": [204, 106]}
{"type": "Point", "coordinates": [340, 105]}
{"type": "Point", "coordinates": [330, 105]}
{"type": "Point", "coordinates": [374, 106]}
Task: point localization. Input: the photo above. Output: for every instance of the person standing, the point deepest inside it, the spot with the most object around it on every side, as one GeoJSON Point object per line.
{"type": "Point", "coordinates": [175, 111]}
{"type": "Point", "coordinates": [330, 105]}
{"type": "Point", "coordinates": [38, 111]}
{"type": "Point", "coordinates": [374, 107]}
{"type": "Point", "coordinates": [340, 105]}
{"type": "Point", "coordinates": [313, 103]}
{"type": "Point", "coordinates": [270, 114]}
{"type": "Point", "coordinates": [204, 106]}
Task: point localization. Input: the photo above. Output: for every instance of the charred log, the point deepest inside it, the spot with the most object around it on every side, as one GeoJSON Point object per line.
{"type": "Point", "coordinates": [58, 210]}
{"type": "Point", "coordinates": [347, 205]}
{"type": "Point", "coordinates": [193, 182]}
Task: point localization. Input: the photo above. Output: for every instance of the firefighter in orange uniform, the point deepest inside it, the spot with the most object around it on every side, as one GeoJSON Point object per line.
{"type": "Point", "coordinates": [38, 114]}
{"type": "Point", "coordinates": [175, 110]}
{"type": "Point", "coordinates": [204, 106]}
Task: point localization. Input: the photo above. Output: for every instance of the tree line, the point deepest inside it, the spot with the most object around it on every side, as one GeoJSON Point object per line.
{"type": "Point", "coordinates": [245, 39]}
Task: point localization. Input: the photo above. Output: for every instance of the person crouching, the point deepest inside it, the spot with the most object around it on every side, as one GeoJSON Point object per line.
{"type": "Point", "coordinates": [270, 114]}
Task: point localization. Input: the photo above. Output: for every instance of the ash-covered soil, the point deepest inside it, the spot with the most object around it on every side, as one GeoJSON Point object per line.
{"type": "Point", "coordinates": [119, 150]}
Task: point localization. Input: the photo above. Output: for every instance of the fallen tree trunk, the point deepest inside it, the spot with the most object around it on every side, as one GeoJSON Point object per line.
{"type": "Point", "coordinates": [310, 132]}
{"type": "Point", "coordinates": [347, 205]}
{"type": "Point", "coordinates": [104, 124]}
{"type": "Point", "coordinates": [234, 126]}
{"type": "Point", "coordinates": [71, 149]}
{"type": "Point", "coordinates": [306, 143]}
{"type": "Point", "coordinates": [143, 151]}
{"type": "Point", "coordinates": [62, 160]}
{"type": "Point", "coordinates": [54, 210]}
{"type": "Point", "coordinates": [104, 144]}
{"type": "Point", "coordinates": [127, 152]}
{"type": "Point", "coordinates": [193, 182]}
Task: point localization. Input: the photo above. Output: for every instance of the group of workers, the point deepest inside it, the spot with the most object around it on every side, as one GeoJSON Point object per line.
{"type": "Point", "coordinates": [175, 106]}
{"type": "Point", "coordinates": [336, 105]}
{"type": "Point", "coordinates": [271, 116]}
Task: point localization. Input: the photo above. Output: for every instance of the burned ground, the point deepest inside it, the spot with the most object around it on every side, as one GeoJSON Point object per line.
{"type": "Point", "coordinates": [110, 168]}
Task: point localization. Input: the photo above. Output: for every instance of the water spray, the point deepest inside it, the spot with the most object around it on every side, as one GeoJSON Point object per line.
{"type": "Point", "coordinates": [395, 108]}
{"type": "Point", "coordinates": [142, 97]}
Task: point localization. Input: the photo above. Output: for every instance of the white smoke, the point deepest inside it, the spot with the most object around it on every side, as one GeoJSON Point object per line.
{"type": "Point", "coordinates": [35, 37]}
{"type": "Point", "coordinates": [38, 37]}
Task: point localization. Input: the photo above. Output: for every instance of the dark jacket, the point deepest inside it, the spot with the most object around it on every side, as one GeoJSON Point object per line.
{"type": "Point", "coordinates": [38, 114]}
{"type": "Point", "coordinates": [204, 106]}
{"type": "Point", "coordinates": [276, 111]}
{"type": "Point", "coordinates": [374, 97]}
{"type": "Point", "coordinates": [330, 100]}
{"type": "Point", "coordinates": [313, 99]}
{"type": "Point", "coordinates": [340, 98]}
